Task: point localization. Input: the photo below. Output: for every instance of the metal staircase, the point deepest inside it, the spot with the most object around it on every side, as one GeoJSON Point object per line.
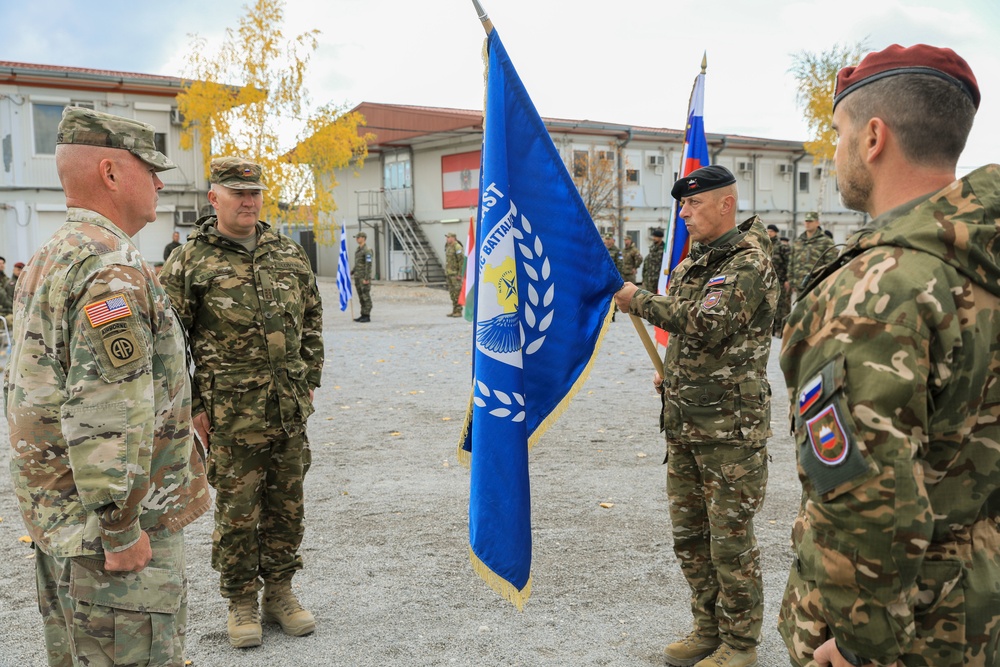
{"type": "Point", "coordinates": [376, 204]}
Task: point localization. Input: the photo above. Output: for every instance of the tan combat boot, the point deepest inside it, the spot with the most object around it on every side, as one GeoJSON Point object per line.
{"type": "Point", "coordinates": [244, 621]}
{"type": "Point", "coordinates": [727, 656]}
{"type": "Point", "coordinates": [691, 649]}
{"type": "Point", "coordinates": [281, 606]}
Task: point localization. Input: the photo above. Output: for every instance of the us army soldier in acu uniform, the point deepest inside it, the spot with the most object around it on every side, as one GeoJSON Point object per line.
{"type": "Point", "coordinates": [719, 309]}
{"type": "Point", "coordinates": [248, 299]}
{"type": "Point", "coordinates": [892, 360]}
{"type": "Point", "coordinates": [99, 407]}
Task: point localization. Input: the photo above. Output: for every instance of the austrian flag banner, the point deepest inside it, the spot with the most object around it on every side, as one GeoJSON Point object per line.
{"type": "Point", "coordinates": [460, 180]}
{"type": "Point", "coordinates": [544, 286]}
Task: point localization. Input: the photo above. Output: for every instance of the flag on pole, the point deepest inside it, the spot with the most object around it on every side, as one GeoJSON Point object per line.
{"type": "Point", "coordinates": [467, 297]}
{"type": "Point", "coordinates": [544, 287]}
{"type": "Point", "coordinates": [344, 271]}
{"type": "Point", "coordinates": [694, 156]}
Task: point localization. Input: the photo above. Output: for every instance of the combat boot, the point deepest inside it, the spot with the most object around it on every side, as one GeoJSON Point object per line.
{"type": "Point", "coordinates": [691, 649]}
{"type": "Point", "coordinates": [727, 656]}
{"type": "Point", "coordinates": [244, 621]}
{"type": "Point", "coordinates": [281, 606]}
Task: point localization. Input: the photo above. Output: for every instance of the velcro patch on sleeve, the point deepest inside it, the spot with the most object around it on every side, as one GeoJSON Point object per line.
{"type": "Point", "coordinates": [711, 300]}
{"type": "Point", "coordinates": [829, 452]}
{"type": "Point", "coordinates": [120, 344]}
{"type": "Point", "coordinates": [107, 310]}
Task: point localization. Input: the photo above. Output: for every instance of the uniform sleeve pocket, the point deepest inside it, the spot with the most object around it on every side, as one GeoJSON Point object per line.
{"type": "Point", "coordinates": [97, 442]}
{"type": "Point", "coordinates": [154, 590]}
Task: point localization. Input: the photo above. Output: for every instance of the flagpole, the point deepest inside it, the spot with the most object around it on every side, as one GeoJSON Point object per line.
{"type": "Point", "coordinates": [647, 343]}
{"type": "Point", "coordinates": [487, 23]}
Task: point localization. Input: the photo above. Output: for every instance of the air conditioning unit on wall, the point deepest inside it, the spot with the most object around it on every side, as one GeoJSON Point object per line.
{"type": "Point", "coordinates": [744, 166]}
{"type": "Point", "coordinates": [785, 168]}
{"type": "Point", "coordinates": [185, 217]}
{"type": "Point", "coordinates": [176, 117]}
{"type": "Point", "coordinates": [656, 161]}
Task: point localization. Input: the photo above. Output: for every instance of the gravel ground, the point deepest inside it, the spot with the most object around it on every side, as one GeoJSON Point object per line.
{"type": "Point", "coordinates": [386, 549]}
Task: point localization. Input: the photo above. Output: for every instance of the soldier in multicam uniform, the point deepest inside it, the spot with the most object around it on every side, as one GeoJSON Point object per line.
{"type": "Point", "coordinates": [248, 299]}
{"type": "Point", "coordinates": [616, 254]}
{"type": "Point", "coordinates": [631, 260]}
{"type": "Point", "coordinates": [361, 274]}
{"type": "Point", "coordinates": [99, 407]}
{"type": "Point", "coordinates": [811, 250]}
{"type": "Point", "coordinates": [780, 260]}
{"type": "Point", "coordinates": [454, 260]}
{"type": "Point", "coordinates": [719, 308]}
{"type": "Point", "coordinates": [654, 261]}
{"type": "Point", "coordinates": [891, 359]}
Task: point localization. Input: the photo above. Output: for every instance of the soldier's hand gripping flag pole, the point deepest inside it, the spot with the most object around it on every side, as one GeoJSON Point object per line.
{"type": "Point", "coordinates": [544, 288]}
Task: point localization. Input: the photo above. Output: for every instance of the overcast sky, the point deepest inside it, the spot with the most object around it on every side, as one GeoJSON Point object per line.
{"type": "Point", "coordinates": [626, 61]}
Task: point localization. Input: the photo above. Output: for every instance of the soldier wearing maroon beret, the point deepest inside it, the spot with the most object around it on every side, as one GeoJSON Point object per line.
{"type": "Point", "coordinates": [891, 356]}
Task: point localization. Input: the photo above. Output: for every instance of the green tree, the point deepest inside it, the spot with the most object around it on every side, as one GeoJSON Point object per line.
{"type": "Point", "coordinates": [816, 80]}
{"type": "Point", "coordinates": [245, 98]}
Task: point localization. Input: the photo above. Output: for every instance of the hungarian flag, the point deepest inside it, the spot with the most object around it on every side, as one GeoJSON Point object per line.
{"type": "Point", "coordinates": [695, 156]}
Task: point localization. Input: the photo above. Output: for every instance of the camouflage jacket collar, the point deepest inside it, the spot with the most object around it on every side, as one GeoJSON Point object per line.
{"type": "Point", "coordinates": [77, 214]}
{"type": "Point", "coordinates": [957, 225]}
{"type": "Point", "coordinates": [206, 232]}
{"type": "Point", "coordinates": [752, 234]}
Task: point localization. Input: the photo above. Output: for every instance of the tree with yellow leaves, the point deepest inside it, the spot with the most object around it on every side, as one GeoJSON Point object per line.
{"type": "Point", "coordinates": [816, 80]}
{"type": "Point", "coordinates": [243, 100]}
{"type": "Point", "coordinates": [597, 178]}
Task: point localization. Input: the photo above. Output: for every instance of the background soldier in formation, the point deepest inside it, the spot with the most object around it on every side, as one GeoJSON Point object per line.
{"type": "Point", "coordinates": [780, 260]}
{"type": "Point", "coordinates": [811, 250]}
{"type": "Point", "coordinates": [719, 308]}
{"type": "Point", "coordinates": [631, 260]}
{"type": "Point", "coordinates": [361, 275]}
{"type": "Point", "coordinates": [454, 267]}
{"type": "Point", "coordinates": [616, 254]}
{"type": "Point", "coordinates": [99, 408]}
{"type": "Point", "coordinates": [248, 299]}
{"type": "Point", "coordinates": [653, 263]}
{"type": "Point", "coordinates": [891, 364]}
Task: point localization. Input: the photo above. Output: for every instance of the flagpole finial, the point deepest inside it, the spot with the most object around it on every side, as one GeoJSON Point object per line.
{"type": "Point", "coordinates": [487, 23]}
{"type": "Point", "coordinates": [704, 60]}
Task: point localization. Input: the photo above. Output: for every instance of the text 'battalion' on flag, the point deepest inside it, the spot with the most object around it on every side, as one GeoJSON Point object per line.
{"type": "Point", "coordinates": [544, 287]}
{"type": "Point", "coordinates": [694, 156]}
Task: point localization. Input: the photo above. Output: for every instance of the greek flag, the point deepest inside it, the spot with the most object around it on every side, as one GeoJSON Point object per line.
{"type": "Point", "coordinates": [544, 286]}
{"type": "Point", "coordinates": [344, 271]}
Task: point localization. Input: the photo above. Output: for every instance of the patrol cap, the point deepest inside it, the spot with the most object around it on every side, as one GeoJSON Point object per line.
{"type": "Point", "coordinates": [917, 59]}
{"type": "Point", "coordinates": [360, 235]}
{"type": "Point", "coordinates": [235, 173]}
{"type": "Point", "coordinates": [92, 128]}
{"type": "Point", "coordinates": [772, 228]}
{"type": "Point", "coordinates": [656, 233]}
{"type": "Point", "coordinates": [712, 177]}
{"type": "Point", "coordinates": [451, 235]}
{"type": "Point", "coordinates": [812, 216]}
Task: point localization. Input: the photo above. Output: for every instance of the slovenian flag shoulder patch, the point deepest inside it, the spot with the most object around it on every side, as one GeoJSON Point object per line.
{"type": "Point", "coordinates": [810, 394]}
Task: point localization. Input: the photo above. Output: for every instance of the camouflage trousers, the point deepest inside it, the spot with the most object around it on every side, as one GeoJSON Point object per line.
{"type": "Point", "coordinates": [92, 617]}
{"type": "Point", "coordinates": [259, 508]}
{"type": "Point", "coordinates": [781, 312]}
{"type": "Point", "coordinates": [715, 490]}
{"type": "Point", "coordinates": [454, 289]}
{"type": "Point", "coordinates": [364, 293]}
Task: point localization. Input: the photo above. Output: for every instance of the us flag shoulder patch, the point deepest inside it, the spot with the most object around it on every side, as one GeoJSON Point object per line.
{"type": "Point", "coordinates": [107, 310]}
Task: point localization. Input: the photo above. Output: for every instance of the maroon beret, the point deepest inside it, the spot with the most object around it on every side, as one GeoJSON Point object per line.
{"type": "Point", "coordinates": [918, 59]}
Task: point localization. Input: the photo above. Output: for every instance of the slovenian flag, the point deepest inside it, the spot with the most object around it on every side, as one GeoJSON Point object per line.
{"type": "Point", "coordinates": [544, 288]}
{"type": "Point", "coordinates": [694, 156]}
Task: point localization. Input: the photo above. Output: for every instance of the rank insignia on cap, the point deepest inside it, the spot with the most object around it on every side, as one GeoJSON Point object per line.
{"type": "Point", "coordinates": [247, 171]}
{"type": "Point", "coordinates": [810, 394]}
{"type": "Point", "coordinates": [717, 280]}
{"type": "Point", "coordinates": [826, 433]}
{"type": "Point", "coordinates": [107, 310]}
{"type": "Point", "coordinates": [711, 300]}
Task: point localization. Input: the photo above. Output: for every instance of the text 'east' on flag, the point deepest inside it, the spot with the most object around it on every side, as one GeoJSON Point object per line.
{"type": "Point", "coordinates": [544, 286]}
{"type": "Point", "coordinates": [344, 271]}
{"type": "Point", "coordinates": [694, 156]}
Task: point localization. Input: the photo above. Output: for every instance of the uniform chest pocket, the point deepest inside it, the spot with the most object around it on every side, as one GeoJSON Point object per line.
{"type": "Point", "coordinates": [231, 292]}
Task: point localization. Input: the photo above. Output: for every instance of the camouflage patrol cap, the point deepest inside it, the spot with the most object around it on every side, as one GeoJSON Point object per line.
{"type": "Point", "coordinates": [451, 235]}
{"type": "Point", "coordinates": [236, 173]}
{"type": "Point", "coordinates": [360, 235]}
{"type": "Point", "coordinates": [92, 128]}
{"type": "Point", "coordinates": [812, 216]}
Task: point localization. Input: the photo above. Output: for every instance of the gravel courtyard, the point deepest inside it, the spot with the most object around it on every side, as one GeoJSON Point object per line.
{"type": "Point", "coordinates": [386, 550]}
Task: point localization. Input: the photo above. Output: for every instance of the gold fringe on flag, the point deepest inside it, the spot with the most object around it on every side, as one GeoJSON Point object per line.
{"type": "Point", "coordinates": [499, 585]}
